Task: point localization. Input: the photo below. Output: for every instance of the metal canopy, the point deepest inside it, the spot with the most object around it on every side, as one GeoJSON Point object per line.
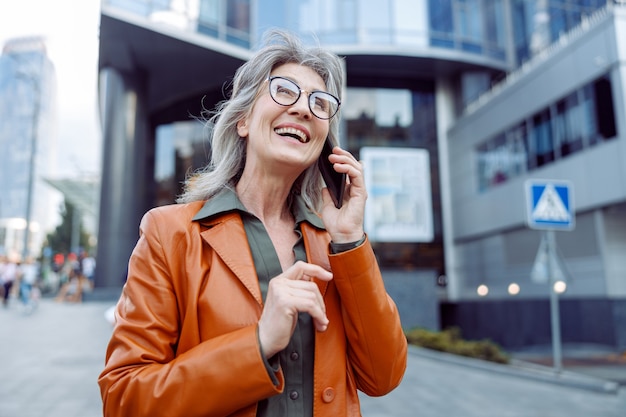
{"type": "Point", "coordinates": [82, 193]}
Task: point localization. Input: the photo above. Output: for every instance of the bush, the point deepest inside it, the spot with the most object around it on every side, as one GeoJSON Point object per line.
{"type": "Point", "coordinates": [450, 341]}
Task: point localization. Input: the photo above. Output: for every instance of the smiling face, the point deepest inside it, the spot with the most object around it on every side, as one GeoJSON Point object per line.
{"type": "Point", "coordinates": [284, 139]}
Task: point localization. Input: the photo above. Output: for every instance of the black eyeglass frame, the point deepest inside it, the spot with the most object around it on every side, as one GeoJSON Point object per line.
{"type": "Point", "coordinates": [310, 94]}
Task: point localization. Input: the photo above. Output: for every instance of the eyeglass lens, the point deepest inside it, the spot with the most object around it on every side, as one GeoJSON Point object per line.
{"type": "Point", "coordinates": [285, 92]}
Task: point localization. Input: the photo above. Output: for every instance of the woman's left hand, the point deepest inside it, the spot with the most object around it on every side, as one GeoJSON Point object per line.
{"type": "Point", "coordinates": [346, 224]}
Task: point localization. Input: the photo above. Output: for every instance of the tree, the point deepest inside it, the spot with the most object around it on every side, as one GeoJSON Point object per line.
{"type": "Point", "coordinates": [60, 240]}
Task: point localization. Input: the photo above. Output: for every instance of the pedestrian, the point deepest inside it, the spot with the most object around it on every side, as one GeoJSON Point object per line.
{"type": "Point", "coordinates": [28, 278]}
{"type": "Point", "coordinates": [241, 300]}
{"type": "Point", "coordinates": [71, 290]}
{"type": "Point", "coordinates": [88, 267]}
{"type": "Point", "coordinates": [9, 272]}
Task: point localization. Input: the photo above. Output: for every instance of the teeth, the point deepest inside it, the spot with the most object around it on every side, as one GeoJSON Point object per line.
{"type": "Point", "coordinates": [290, 131]}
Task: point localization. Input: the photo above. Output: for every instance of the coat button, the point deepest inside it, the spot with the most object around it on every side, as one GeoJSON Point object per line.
{"type": "Point", "coordinates": [294, 356]}
{"type": "Point", "coordinates": [294, 395]}
{"type": "Point", "coordinates": [328, 394]}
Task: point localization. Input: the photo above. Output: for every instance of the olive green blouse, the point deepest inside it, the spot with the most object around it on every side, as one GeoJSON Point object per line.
{"type": "Point", "coordinates": [296, 360]}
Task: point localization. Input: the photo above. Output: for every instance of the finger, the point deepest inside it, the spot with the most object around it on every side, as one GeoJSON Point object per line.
{"type": "Point", "coordinates": [308, 291]}
{"type": "Point", "coordinates": [356, 177]}
{"type": "Point", "coordinates": [342, 156]}
{"type": "Point", "coordinates": [297, 296]}
{"type": "Point", "coordinates": [311, 302]}
{"type": "Point", "coordinates": [307, 271]}
{"type": "Point", "coordinates": [348, 165]}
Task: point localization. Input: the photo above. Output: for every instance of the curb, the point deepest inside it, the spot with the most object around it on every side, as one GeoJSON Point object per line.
{"type": "Point", "coordinates": [522, 369]}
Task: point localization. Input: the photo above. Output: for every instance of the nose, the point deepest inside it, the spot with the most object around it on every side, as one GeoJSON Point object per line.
{"type": "Point", "coordinates": [301, 106]}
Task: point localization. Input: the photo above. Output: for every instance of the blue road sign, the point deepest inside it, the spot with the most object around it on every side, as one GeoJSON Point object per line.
{"type": "Point", "coordinates": [550, 205]}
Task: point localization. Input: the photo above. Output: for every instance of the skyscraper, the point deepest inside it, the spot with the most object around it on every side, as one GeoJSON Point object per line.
{"type": "Point", "coordinates": [27, 143]}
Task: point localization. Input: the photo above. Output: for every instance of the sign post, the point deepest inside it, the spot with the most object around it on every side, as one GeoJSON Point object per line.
{"type": "Point", "coordinates": [550, 208]}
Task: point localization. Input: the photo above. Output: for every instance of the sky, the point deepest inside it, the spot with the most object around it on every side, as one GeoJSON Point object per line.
{"type": "Point", "coordinates": [70, 28]}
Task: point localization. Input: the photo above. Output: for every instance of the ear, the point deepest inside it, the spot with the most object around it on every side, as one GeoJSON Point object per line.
{"type": "Point", "coordinates": [242, 128]}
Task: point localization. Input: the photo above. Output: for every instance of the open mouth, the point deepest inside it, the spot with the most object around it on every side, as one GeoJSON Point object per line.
{"type": "Point", "coordinates": [293, 133]}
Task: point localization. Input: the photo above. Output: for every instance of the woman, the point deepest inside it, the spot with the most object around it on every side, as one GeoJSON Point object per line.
{"type": "Point", "coordinates": [241, 301]}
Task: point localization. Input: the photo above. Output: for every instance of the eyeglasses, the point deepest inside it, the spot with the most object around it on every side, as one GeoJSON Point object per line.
{"type": "Point", "coordinates": [285, 92]}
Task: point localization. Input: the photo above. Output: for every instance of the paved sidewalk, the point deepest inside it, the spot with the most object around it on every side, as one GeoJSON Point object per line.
{"type": "Point", "coordinates": [52, 357]}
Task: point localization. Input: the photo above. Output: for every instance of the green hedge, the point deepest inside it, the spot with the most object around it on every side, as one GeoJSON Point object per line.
{"type": "Point", "coordinates": [450, 341]}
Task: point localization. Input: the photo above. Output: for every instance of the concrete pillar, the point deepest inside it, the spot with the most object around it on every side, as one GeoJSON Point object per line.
{"type": "Point", "coordinates": [444, 102]}
{"type": "Point", "coordinates": [125, 174]}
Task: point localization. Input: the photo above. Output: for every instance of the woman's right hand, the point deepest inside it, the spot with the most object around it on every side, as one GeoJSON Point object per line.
{"type": "Point", "coordinates": [288, 294]}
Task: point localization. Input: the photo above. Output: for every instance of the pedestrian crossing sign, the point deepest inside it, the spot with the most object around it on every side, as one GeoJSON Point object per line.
{"type": "Point", "coordinates": [549, 205]}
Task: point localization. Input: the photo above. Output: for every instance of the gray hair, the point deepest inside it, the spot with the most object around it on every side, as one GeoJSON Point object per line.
{"type": "Point", "coordinates": [228, 151]}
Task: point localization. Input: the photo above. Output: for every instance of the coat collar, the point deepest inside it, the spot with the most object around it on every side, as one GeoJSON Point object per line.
{"type": "Point", "coordinates": [227, 201]}
{"type": "Point", "coordinates": [222, 229]}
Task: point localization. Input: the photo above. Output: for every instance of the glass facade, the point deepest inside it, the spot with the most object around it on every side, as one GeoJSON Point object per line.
{"type": "Point", "coordinates": [27, 140]}
{"type": "Point", "coordinates": [468, 25]}
{"type": "Point", "coordinates": [180, 148]}
{"type": "Point", "coordinates": [539, 23]}
{"type": "Point", "coordinates": [225, 20]}
{"type": "Point", "coordinates": [379, 22]}
{"type": "Point", "coordinates": [471, 26]}
{"type": "Point", "coordinates": [404, 118]}
{"type": "Point", "coordinates": [579, 120]}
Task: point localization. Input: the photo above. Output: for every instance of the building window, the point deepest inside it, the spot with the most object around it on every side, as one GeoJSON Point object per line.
{"type": "Point", "coordinates": [398, 117]}
{"type": "Point", "coordinates": [588, 115]}
{"type": "Point", "coordinates": [581, 119]}
{"type": "Point", "coordinates": [209, 18]}
{"type": "Point", "coordinates": [180, 149]}
{"type": "Point", "coordinates": [495, 32]}
{"type": "Point", "coordinates": [238, 22]}
{"type": "Point", "coordinates": [473, 26]}
{"type": "Point", "coordinates": [502, 158]}
{"type": "Point", "coordinates": [441, 26]}
{"type": "Point", "coordinates": [470, 25]}
{"type": "Point", "coordinates": [387, 22]}
{"type": "Point", "coordinates": [604, 111]}
{"type": "Point", "coordinates": [568, 133]}
{"type": "Point", "coordinates": [226, 20]}
{"type": "Point", "coordinates": [541, 139]}
{"type": "Point", "coordinates": [536, 25]}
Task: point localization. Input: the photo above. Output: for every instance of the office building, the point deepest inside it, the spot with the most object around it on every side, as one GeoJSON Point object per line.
{"type": "Point", "coordinates": [492, 93]}
{"type": "Point", "coordinates": [28, 143]}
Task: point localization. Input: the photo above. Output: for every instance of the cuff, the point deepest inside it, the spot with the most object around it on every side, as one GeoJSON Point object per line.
{"type": "Point", "coordinates": [343, 247]}
{"type": "Point", "coordinates": [272, 365]}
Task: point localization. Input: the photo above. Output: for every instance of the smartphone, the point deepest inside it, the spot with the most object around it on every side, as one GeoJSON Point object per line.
{"type": "Point", "coordinates": [335, 181]}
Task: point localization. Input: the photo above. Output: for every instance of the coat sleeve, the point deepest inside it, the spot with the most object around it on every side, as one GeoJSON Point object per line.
{"type": "Point", "coordinates": [144, 375]}
{"type": "Point", "coordinates": [377, 345]}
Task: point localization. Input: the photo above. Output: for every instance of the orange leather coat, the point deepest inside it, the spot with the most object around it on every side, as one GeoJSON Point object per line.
{"type": "Point", "coordinates": [185, 340]}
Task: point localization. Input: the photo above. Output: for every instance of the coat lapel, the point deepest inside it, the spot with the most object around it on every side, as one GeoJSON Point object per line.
{"type": "Point", "coordinates": [227, 237]}
{"type": "Point", "coordinates": [316, 245]}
